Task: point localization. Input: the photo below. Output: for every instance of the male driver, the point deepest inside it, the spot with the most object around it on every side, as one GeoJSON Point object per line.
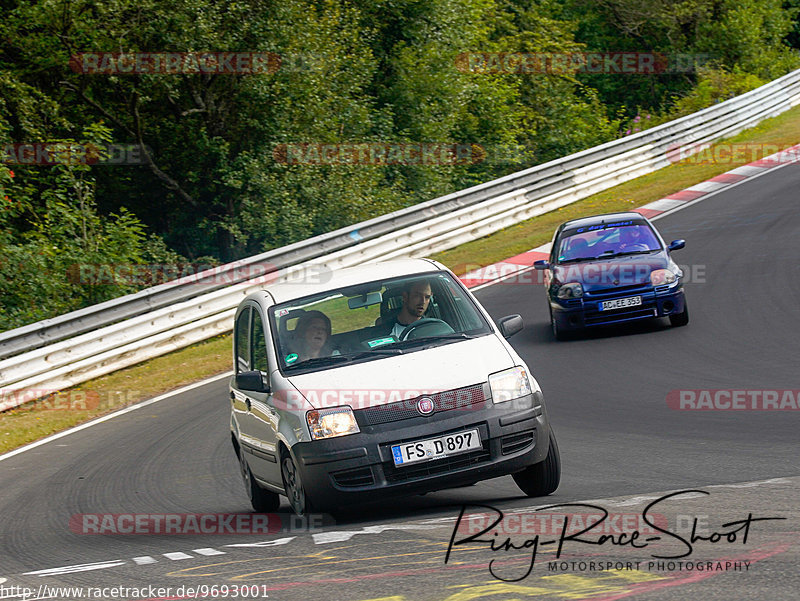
{"type": "Point", "coordinates": [636, 237]}
{"type": "Point", "coordinates": [416, 298]}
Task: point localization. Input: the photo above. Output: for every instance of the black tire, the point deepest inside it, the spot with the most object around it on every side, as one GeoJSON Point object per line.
{"type": "Point", "coordinates": [558, 333]}
{"type": "Point", "coordinates": [541, 479]}
{"type": "Point", "coordinates": [262, 500]}
{"type": "Point", "coordinates": [293, 485]}
{"type": "Point", "coordinates": [680, 319]}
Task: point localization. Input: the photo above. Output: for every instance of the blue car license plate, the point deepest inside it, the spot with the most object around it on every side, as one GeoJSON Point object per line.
{"type": "Point", "coordinates": [621, 303]}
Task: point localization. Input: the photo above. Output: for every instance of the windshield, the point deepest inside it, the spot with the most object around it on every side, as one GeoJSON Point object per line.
{"type": "Point", "coordinates": [582, 245]}
{"type": "Point", "coordinates": [373, 320]}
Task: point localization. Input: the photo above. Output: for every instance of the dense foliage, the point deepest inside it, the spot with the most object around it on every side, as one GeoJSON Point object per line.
{"type": "Point", "coordinates": [212, 183]}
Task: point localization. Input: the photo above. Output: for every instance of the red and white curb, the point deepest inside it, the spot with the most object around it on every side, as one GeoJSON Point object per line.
{"type": "Point", "coordinates": [522, 263]}
{"type": "Point", "coordinates": [514, 266]}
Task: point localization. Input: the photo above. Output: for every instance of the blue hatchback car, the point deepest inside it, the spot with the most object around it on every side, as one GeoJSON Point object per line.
{"type": "Point", "coordinates": [609, 269]}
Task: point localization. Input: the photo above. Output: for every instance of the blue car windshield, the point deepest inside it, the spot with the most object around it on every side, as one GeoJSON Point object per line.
{"type": "Point", "coordinates": [623, 240]}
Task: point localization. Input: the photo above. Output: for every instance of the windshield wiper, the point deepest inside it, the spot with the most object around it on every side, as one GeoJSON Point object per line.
{"type": "Point", "coordinates": [577, 260]}
{"type": "Point", "coordinates": [333, 359]}
{"type": "Point", "coordinates": [316, 361]}
{"type": "Point", "coordinates": [378, 351]}
{"type": "Point", "coordinates": [434, 340]}
{"type": "Point", "coordinates": [633, 252]}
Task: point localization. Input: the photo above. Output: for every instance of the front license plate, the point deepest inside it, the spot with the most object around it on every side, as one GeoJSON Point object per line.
{"type": "Point", "coordinates": [619, 303]}
{"type": "Point", "coordinates": [436, 448]}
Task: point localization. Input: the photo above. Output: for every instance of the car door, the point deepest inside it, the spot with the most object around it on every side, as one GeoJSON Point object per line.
{"type": "Point", "coordinates": [257, 417]}
{"type": "Point", "coordinates": [240, 403]}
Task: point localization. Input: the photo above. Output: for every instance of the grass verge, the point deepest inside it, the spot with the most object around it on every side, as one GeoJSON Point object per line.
{"type": "Point", "coordinates": [97, 397]}
{"type": "Point", "coordinates": [773, 134]}
{"type": "Point", "coordinates": [102, 395]}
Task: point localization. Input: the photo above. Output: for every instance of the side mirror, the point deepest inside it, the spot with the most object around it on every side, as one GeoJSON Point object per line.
{"type": "Point", "coordinates": [541, 264]}
{"type": "Point", "coordinates": [510, 325]}
{"type": "Point", "coordinates": [677, 244]}
{"type": "Point", "coordinates": [252, 381]}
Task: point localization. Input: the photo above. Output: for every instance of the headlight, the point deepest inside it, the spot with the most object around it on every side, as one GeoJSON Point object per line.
{"type": "Point", "coordinates": [662, 276]}
{"type": "Point", "coordinates": [509, 384]}
{"type": "Point", "coordinates": [327, 423]}
{"type": "Point", "coordinates": [571, 290]}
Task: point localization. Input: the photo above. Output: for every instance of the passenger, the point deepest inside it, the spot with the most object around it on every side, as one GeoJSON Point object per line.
{"type": "Point", "coordinates": [416, 298]}
{"type": "Point", "coordinates": [311, 334]}
{"type": "Point", "coordinates": [577, 250]}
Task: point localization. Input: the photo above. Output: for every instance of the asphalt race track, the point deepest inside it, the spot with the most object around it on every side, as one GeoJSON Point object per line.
{"type": "Point", "coordinates": [607, 397]}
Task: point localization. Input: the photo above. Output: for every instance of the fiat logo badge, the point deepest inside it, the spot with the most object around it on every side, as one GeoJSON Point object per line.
{"type": "Point", "coordinates": [425, 405]}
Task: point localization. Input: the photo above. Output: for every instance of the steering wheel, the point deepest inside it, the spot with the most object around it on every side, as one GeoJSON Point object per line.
{"type": "Point", "coordinates": [632, 247]}
{"type": "Point", "coordinates": [435, 327]}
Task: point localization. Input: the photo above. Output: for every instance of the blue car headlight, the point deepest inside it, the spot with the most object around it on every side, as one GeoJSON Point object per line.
{"type": "Point", "coordinates": [659, 277]}
{"type": "Point", "coordinates": [571, 290]}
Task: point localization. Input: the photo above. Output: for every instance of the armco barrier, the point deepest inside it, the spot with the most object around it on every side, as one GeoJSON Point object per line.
{"type": "Point", "coordinates": [81, 345]}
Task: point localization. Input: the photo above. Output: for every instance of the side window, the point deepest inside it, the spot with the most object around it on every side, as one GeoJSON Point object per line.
{"type": "Point", "coordinates": [466, 315]}
{"type": "Point", "coordinates": [241, 342]}
{"type": "Point", "coordinates": [259, 345]}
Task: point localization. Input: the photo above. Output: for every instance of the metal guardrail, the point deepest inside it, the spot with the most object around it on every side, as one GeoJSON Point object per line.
{"type": "Point", "coordinates": [84, 344]}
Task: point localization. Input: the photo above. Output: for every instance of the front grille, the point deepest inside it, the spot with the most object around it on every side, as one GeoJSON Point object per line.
{"type": "Point", "coordinates": [360, 476]}
{"type": "Point", "coordinates": [469, 397]}
{"type": "Point", "coordinates": [618, 291]}
{"type": "Point", "coordinates": [435, 467]}
{"type": "Point", "coordinates": [514, 443]}
{"type": "Point", "coordinates": [619, 315]}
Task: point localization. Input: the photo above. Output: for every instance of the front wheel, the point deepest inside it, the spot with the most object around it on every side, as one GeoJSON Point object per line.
{"type": "Point", "coordinates": [558, 332]}
{"type": "Point", "coordinates": [293, 486]}
{"type": "Point", "coordinates": [541, 479]}
{"type": "Point", "coordinates": [680, 319]}
{"type": "Point", "coordinates": [263, 501]}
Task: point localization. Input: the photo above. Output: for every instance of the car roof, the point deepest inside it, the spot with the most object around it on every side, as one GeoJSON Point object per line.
{"type": "Point", "coordinates": [607, 217]}
{"type": "Point", "coordinates": [319, 280]}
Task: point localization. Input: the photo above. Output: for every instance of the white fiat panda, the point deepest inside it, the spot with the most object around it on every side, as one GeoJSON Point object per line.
{"type": "Point", "coordinates": [386, 379]}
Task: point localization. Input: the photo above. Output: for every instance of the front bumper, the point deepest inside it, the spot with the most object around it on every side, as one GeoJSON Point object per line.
{"type": "Point", "coordinates": [585, 312]}
{"type": "Point", "coordinates": [338, 471]}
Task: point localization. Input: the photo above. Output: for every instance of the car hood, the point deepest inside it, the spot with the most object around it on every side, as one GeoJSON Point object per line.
{"type": "Point", "coordinates": [621, 271]}
{"type": "Point", "coordinates": [400, 377]}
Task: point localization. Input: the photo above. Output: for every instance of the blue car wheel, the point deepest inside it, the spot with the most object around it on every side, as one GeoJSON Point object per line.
{"type": "Point", "coordinates": [558, 332]}
{"type": "Point", "coordinates": [680, 319]}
